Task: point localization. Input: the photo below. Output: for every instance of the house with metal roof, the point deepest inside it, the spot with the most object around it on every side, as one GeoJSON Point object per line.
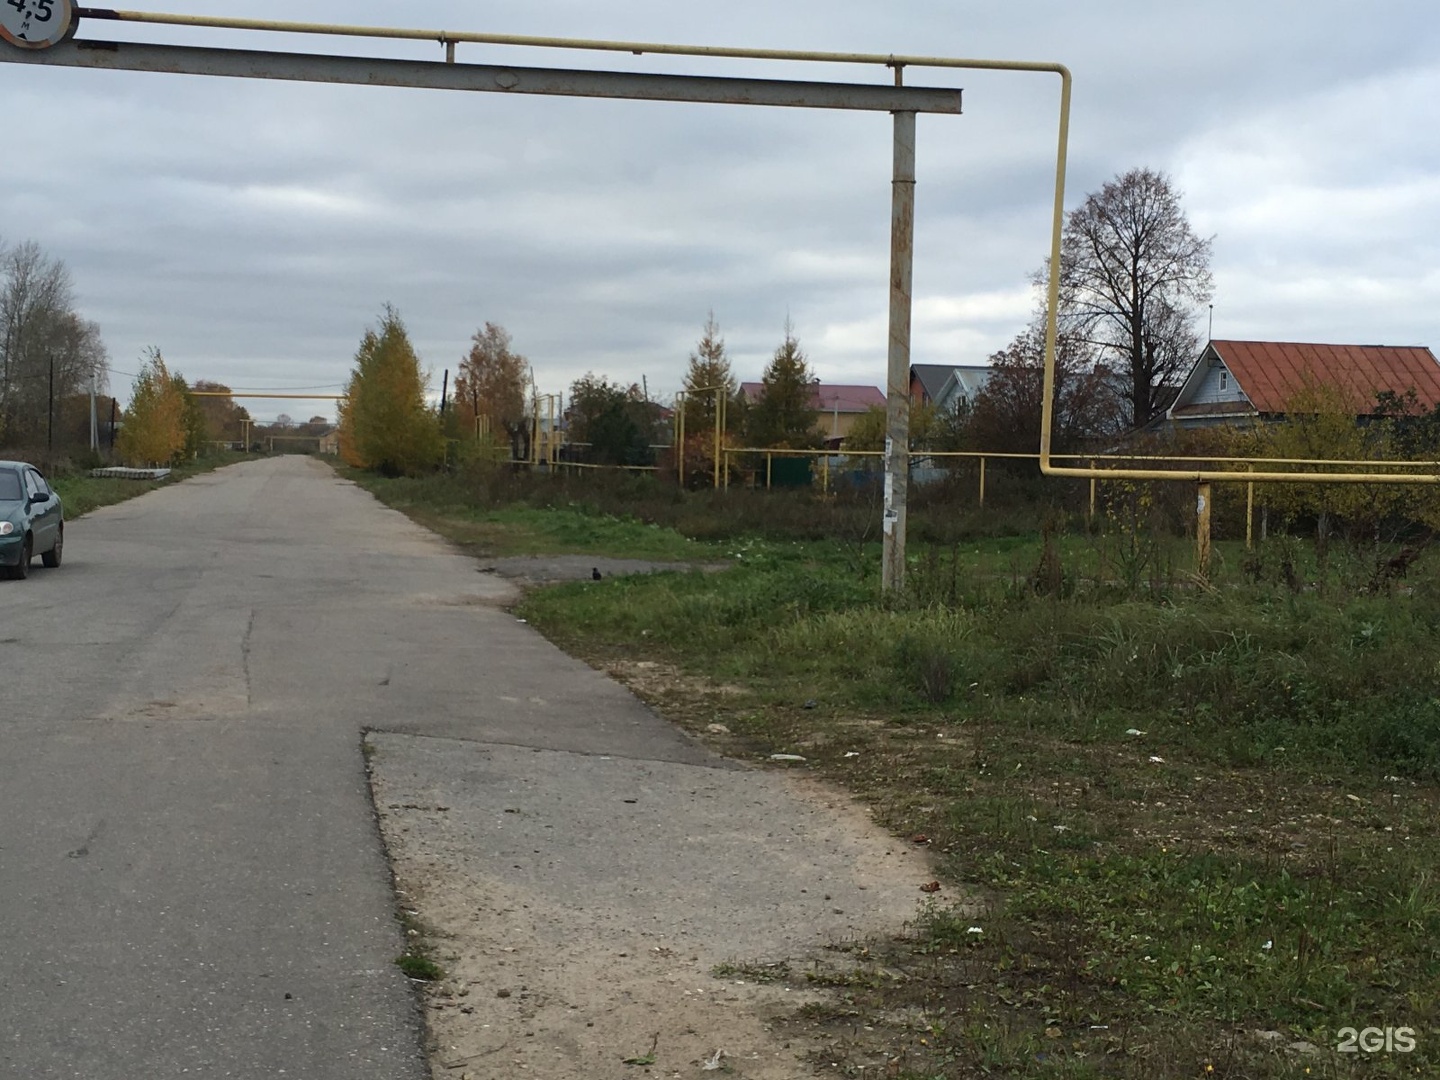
{"type": "Point", "coordinates": [1246, 382]}
{"type": "Point", "coordinates": [947, 386]}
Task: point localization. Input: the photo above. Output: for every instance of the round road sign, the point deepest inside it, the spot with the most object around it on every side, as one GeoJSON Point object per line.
{"type": "Point", "coordinates": [35, 24]}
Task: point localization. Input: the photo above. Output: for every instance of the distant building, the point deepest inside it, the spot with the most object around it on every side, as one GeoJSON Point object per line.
{"type": "Point", "coordinates": [839, 405]}
{"type": "Point", "coordinates": [1247, 382]}
{"type": "Point", "coordinates": [330, 442]}
{"type": "Point", "coordinates": [947, 386]}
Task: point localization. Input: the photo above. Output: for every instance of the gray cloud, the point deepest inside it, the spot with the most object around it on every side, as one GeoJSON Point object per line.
{"type": "Point", "coordinates": [253, 230]}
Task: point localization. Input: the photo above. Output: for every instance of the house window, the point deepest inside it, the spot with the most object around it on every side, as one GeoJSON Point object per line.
{"type": "Point", "coordinates": [1224, 379]}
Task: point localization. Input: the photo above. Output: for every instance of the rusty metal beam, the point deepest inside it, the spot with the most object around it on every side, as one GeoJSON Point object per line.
{"type": "Point", "coordinates": [494, 78]}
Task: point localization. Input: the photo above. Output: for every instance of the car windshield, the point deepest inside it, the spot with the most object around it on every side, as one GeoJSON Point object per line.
{"type": "Point", "coordinates": [9, 485]}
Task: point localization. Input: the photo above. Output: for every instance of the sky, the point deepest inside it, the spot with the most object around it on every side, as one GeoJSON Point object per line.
{"type": "Point", "coordinates": [253, 230]}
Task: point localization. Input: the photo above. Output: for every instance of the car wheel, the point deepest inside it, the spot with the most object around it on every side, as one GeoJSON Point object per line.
{"type": "Point", "coordinates": [21, 570]}
{"type": "Point", "coordinates": [51, 558]}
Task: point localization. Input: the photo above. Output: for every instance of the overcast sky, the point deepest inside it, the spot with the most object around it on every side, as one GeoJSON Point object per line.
{"type": "Point", "coordinates": [252, 230]}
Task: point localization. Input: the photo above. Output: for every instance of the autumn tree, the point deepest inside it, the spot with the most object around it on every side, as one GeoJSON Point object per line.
{"type": "Point", "coordinates": [223, 418]}
{"type": "Point", "coordinates": [931, 428]}
{"type": "Point", "coordinates": [617, 423]}
{"type": "Point", "coordinates": [785, 413]}
{"type": "Point", "coordinates": [491, 385]}
{"type": "Point", "coordinates": [1005, 416]}
{"type": "Point", "coordinates": [709, 369]}
{"type": "Point", "coordinates": [154, 429]}
{"type": "Point", "coordinates": [1133, 275]}
{"type": "Point", "coordinates": [385, 422]}
{"type": "Point", "coordinates": [192, 417]}
{"type": "Point", "coordinates": [1323, 421]}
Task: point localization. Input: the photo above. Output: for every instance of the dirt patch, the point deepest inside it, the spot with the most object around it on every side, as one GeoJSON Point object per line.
{"type": "Point", "coordinates": [653, 679]}
{"type": "Point", "coordinates": [590, 910]}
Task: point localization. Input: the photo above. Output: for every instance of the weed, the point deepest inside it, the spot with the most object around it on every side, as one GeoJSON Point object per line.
{"type": "Point", "coordinates": [928, 664]}
{"type": "Point", "coordinates": [754, 971]}
{"type": "Point", "coordinates": [420, 968]}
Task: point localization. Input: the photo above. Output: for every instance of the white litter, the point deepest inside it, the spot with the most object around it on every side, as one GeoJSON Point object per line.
{"type": "Point", "coordinates": [1134, 731]}
{"type": "Point", "coordinates": [786, 757]}
{"type": "Point", "coordinates": [712, 1063]}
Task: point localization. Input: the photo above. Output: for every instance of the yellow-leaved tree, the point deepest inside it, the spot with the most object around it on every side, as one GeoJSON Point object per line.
{"type": "Point", "coordinates": [154, 430]}
{"type": "Point", "coordinates": [385, 422]}
{"type": "Point", "coordinates": [1323, 422]}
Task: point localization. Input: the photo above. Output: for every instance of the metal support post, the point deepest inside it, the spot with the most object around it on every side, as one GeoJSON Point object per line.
{"type": "Point", "coordinates": [1090, 514]}
{"type": "Point", "coordinates": [719, 427]}
{"type": "Point", "coordinates": [897, 396]}
{"type": "Point", "coordinates": [982, 482]}
{"type": "Point", "coordinates": [1202, 529]}
{"type": "Point", "coordinates": [1250, 516]}
{"type": "Point", "coordinates": [725, 453]}
{"type": "Point", "coordinates": [680, 400]}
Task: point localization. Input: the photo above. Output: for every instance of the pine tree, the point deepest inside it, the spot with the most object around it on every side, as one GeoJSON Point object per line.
{"type": "Point", "coordinates": [709, 368]}
{"type": "Point", "coordinates": [785, 415]}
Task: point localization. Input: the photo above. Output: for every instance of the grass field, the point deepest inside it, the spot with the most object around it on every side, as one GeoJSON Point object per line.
{"type": "Point", "coordinates": [80, 493]}
{"type": "Point", "coordinates": [1194, 824]}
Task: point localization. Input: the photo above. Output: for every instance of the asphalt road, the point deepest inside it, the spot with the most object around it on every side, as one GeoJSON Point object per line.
{"type": "Point", "coordinates": [191, 879]}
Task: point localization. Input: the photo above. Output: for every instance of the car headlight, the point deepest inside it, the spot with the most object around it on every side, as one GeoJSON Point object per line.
{"type": "Point", "coordinates": [6, 528]}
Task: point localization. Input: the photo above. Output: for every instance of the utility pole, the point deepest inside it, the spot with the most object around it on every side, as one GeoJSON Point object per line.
{"type": "Point", "coordinates": [897, 390]}
{"type": "Point", "coordinates": [50, 408]}
{"type": "Point", "coordinates": [94, 424]}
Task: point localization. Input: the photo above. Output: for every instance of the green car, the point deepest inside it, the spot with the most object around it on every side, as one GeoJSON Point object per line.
{"type": "Point", "coordinates": [32, 521]}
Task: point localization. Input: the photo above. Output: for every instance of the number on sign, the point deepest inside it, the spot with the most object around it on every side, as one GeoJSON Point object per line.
{"type": "Point", "coordinates": [44, 13]}
{"type": "Point", "coordinates": [18, 5]}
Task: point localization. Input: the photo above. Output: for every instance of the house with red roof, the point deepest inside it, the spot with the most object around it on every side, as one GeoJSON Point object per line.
{"type": "Point", "coordinates": [1247, 382]}
{"type": "Point", "coordinates": [838, 404]}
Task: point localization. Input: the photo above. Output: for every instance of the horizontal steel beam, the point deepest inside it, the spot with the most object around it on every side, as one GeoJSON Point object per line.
{"type": "Point", "coordinates": [435, 75]}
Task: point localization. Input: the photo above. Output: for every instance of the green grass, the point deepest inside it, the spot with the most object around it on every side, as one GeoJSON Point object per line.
{"type": "Point", "coordinates": [419, 968]}
{"type": "Point", "coordinates": [1260, 858]}
{"type": "Point", "coordinates": [447, 507]}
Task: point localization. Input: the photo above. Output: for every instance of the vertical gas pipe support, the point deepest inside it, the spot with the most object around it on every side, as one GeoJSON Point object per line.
{"type": "Point", "coordinates": [1250, 513]}
{"type": "Point", "coordinates": [719, 427]}
{"type": "Point", "coordinates": [897, 389]}
{"type": "Point", "coordinates": [724, 424]}
{"type": "Point", "coordinates": [1202, 529]}
{"type": "Point", "coordinates": [680, 400]}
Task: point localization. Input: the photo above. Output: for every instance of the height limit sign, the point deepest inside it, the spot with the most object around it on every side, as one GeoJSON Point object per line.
{"type": "Point", "coordinates": [35, 24]}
